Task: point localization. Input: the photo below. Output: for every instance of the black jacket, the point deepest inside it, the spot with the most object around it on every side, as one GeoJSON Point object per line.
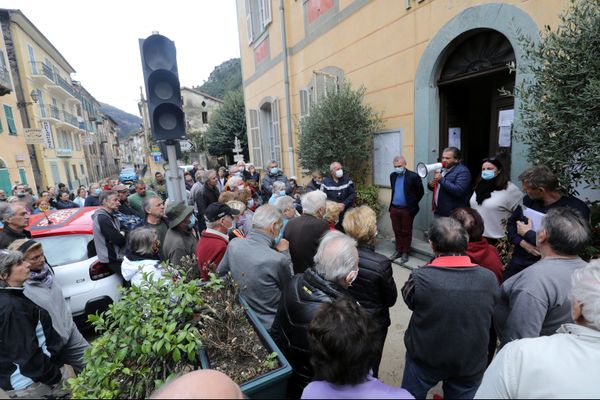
{"type": "Point", "coordinates": [300, 301]}
{"type": "Point", "coordinates": [413, 190]}
{"type": "Point", "coordinates": [374, 288]}
{"type": "Point", "coordinates": [304, 234]}
{"type": "Point", "coordinates": [19, 345]}
{"type": "Point", "coordinates": [208, 196]}
{"type": "Point", "coordinates": [92, 201]}
{"type": "Point", "coordinates": [61, 205]}
{"type": "Point", "coordinates": [8, 236]}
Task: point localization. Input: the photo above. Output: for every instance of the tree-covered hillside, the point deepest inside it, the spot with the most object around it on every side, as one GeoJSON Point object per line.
{"type": "Point", "coordinates": [126, 122]}
{"type": "Point", "coordinates": [225, 78]}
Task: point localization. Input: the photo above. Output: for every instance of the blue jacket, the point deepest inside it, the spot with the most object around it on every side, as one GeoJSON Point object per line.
{"type": "Point", "coordinates": [455, 190]}
{"type": "Point", "coordinates": [413, 190]}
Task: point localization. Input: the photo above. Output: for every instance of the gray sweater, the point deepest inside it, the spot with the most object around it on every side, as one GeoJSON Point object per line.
{"type": "Point", "coordinates": [261, 272]}
{"type": "Point", "coordinates": [536, 302]}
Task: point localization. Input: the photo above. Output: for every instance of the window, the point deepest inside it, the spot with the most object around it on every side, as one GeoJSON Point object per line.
{"type": "Point", "coordinates": [275, 139]}
{"type": "Point", "coordinates": [322, 84]}
{"type": "Point", "coordinates": [304, 103]}
{"type": "Point", "coordinates": [65, 249]}
{"type": "Point", "coordinates": [82, 170]}
{"type": "Point", "coordinates": [10, 120]}
{"type": "Point", "coordinates": [77, 141]}
{"type": "Point", "coordinates": [258, 16]}
{"type": "Point", "coordinates": [204, 117]}
{"type": "Point", "coordinates": [255, 137]}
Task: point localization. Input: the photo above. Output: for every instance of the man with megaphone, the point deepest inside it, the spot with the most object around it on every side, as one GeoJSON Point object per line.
{"type": "Point", "coordinates": [451, 185]}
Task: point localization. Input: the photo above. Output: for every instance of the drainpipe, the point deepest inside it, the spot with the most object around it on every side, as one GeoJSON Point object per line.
{"type": "Point", "coordinates": [286, 85]}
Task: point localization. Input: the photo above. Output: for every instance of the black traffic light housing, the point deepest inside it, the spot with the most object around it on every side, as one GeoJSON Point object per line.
{"type": "Point", "coordinates": [159, 63]}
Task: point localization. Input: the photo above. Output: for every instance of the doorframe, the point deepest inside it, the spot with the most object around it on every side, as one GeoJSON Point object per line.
{"type": "Point", "coordinates": [509, 20]}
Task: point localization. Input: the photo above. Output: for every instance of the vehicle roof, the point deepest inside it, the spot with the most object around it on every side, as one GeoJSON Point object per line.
{"type": "Point", "coordinates": [64, 222]}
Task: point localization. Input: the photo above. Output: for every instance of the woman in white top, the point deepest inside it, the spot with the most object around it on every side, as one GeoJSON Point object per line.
{"type": "Point", "coordinates": [142, 257]}
{"type": "Point", "coordinates": [80, 199]}
{"type": "Point", "coordinates": [495, 198]}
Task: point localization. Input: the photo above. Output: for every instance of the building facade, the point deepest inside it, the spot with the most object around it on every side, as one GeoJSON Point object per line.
{"type": "Point", "coordinates": [15, 163]}
{"type": "Point", "coordinates": [434, 69]}
{"type": "Point", "coordinates": [42, 78]}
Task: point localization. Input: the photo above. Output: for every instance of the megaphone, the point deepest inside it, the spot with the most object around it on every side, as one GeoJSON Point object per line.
{"type": "Point", "coordinates": [424, 169]}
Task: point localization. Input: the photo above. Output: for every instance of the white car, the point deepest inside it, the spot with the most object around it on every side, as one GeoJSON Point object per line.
{"type": "Point", "coordinates": [87, 284]}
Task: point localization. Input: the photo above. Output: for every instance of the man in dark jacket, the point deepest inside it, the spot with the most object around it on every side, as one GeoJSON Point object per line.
{"type": "Point", "coordinates": [407, 191]}
{"type": "Point", "coordinates": [16, 219]}
{"type": "Point", "coordinates": [339, 188]}
{"type": "Point", "coordinates": [109, 240]}
{"type": "Point", "coordinates": [274, 174]}
{"type": "Point", "coordinates": [64, 202]}
{"type": "Point", "coordinates": [336, 267]}
{"type": "Point", "coordinates": [452, 301]}
{"type": "Point", "coordinates": [305, 232]}
{"type": "Point", "coordinates": [543, 194]}
{"type": "Point", "coordinates": [93, 199]}
{"type": "Point", "coordinates": [452, 186]}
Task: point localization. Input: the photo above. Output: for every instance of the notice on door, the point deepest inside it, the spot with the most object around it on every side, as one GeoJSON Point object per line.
{"type": "Point", "coordinates": [454, 137]}
{"type": "Point", "coordinates": [505, 122]}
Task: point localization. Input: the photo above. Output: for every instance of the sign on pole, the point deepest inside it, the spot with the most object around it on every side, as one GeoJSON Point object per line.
{"type": "Point", "coordinates": [34, 136]}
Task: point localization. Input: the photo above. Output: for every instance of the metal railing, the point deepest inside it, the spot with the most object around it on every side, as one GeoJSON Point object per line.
{"type": "Point", "coordinates": [70, 119]}
{"type": "Point", "coordinates": [5, 78]}
{"type": "Point", "coordinates": [39, 69]}
{"type": "Point", "coordinates": [63, 83]}
{"type": "Point", "coordinates": [50, 111]}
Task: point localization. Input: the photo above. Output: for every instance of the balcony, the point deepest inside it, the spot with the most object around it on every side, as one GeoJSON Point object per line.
{"type": "Point", "coordinates": [59, 117]}
{"type": "Point", "coordinates": [5, 83]}
{"type": "Point", "coordinates": [64, 152]}
{"type": "Point", "coordinates": [70, 119]}
{"type": "Point", "coordinates": [41, 72]}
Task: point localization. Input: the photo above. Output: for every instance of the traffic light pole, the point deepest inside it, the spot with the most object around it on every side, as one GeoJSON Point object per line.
{"type": "Point", "coordinates": [174, 175]}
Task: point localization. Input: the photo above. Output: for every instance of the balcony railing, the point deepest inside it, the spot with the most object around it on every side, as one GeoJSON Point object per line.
{"type": "Point", "coordinates": [70, 119]}
{"type": "Point", "coordinates": [41, 69]}
{"type": "Point", "coordinates": [64, 152]}
{"type": "Point", "coordinates": [63, 83]}
{"type": "Point", "coordinates": [63, 116]}
{"type": "Point", "coordinates": [5, 84]}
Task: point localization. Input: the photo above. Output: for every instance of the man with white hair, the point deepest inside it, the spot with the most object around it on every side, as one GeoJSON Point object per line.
{"type": "Point", "coordinates": [305, 232]}
{"type": "Point", "coordinates": [339, 188]}
{"type": "Point", "coordinates": [563, 365]}
{"type": "Point", "coordinates": [261, 268]}
{"type": "Point", "coordinates": [336, 267]}
{"type": "Point", "coordinates": [535, 302]}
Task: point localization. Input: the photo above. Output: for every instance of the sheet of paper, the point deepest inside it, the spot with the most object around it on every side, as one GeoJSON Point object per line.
{"type": "Point", "coordinates": [506, 117]}
{"type": "Point", "coordinates": [504, 133]}
{"type": "Point", "coordinates": [454, 137]}
{"type": "Point", "coordinates": [535, 216]}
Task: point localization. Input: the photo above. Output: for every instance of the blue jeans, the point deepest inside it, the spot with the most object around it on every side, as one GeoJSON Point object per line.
{"type": "Point", "coordinates": [418, 380]}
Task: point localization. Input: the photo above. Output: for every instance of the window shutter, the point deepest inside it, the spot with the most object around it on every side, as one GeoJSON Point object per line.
{"type": "Point", "coordinates": [266, 9]}
{"type": "Point", "coordinates": [319, 87]}
{"type": "Point", "coordinates": [255, 138]}
{"type": "Point", "coordinates": [249, 22]}
{"type": "Point", "coordinates": [331, 84]}
{"type": "Point", "coordinates": [10, 120]}
{"type": "Point", "coordinates": [304, 109]}
{"type": "Point", "coordinates": [275, 132]}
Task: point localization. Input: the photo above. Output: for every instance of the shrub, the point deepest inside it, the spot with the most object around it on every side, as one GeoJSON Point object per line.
{"type": "Point", "coordinates": [339, 128]}
{"type": "Point", "coordinates": [368, 196]}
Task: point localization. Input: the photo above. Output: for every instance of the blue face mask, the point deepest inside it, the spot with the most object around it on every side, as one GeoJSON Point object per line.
{"type": "Point", "coordinates": [274, 170]}
{"type": "Point", "coordinates": [282, 193]}
{"type": "Point", "coordinates": [399, 170]}
{"type": "Point", "coordinates": [98, 191]}
{"type": "Point", "coordinates": [487, 174]}
{"type": "Point", "coordinates": [238, 174]}
{"type": "Point", "coordinates": [192, 222]}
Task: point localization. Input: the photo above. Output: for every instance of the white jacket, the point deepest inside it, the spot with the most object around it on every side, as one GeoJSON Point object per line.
{"type": "Point", "coordinates": [133, 270]}
{"type": "Point", "coordinates": [564, 365]}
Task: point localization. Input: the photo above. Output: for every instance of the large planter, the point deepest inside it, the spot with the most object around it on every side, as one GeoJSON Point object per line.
{"type": "Point", "coordinates": [273, 384]}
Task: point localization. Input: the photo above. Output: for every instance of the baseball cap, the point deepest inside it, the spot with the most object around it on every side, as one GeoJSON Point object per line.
{"type": "Point", "coordinates": [120, 188]}
{"type": "Point", "coordinates": [216, 211]}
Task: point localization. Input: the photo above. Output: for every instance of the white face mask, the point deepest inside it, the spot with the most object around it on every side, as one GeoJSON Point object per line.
{"type": "Point", "coordinates": [339, 173]}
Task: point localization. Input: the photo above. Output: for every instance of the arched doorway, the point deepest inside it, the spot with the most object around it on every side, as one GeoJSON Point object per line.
{"type": "Point", "coordinates": [476, 107]}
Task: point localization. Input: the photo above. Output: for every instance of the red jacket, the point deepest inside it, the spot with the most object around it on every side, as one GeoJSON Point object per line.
{"type": "Point", "coordinates": [486, 255]}
{"type": "Point", "coordinates": [209, 252]}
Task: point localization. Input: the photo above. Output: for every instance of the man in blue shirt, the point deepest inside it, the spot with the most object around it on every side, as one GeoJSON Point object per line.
{"type": "Point", "coordinates": [407, 191]}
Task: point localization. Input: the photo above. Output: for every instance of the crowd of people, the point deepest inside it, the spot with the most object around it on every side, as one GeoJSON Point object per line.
{"type": "Point", "coordinates": [305, 260]}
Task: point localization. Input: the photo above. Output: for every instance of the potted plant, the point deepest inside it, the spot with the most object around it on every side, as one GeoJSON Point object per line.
{"type": "Point", "coordinates": [154, 332]}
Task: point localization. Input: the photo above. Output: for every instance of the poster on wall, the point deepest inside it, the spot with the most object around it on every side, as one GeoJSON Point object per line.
{"type": "Point", "coordinates": [385, 147]}
{"type": "Point", "coordinates": [505, 122]}
{"type": "Point", "coordinates": [47, 134]}
{"type": "Point", "coordinates": [454, 137]}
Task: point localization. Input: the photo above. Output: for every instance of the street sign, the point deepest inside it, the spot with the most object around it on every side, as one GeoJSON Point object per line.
{"type": "Point", "coordinates": [156, 158]}
{"type": "Point", "coordinates": [34, 136]}
{"type": "Point", "coordinates": [186, 145]}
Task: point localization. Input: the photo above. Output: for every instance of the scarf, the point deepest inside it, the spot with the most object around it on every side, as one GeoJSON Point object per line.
{"type": "Point", "coordinates": [45, 276]}
{"type": "Point", "coordinates": [484, 190]}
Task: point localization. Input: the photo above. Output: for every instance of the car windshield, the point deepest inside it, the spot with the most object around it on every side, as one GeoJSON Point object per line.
{"type": "Point", "coordinates": [65, 249]}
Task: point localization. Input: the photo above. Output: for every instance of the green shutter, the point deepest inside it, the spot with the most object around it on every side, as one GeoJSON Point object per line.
{"type": "Point", "coordinates": [5, 181]}
{"type": "Point", "coordinates": [10, 120]}
{"type": "Point", "coordinates": [23, 176]}
{"type": "Point", "coordinates": [1, 128]}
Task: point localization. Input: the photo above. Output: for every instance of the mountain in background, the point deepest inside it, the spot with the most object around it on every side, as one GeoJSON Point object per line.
{"type": "Point", "coordinates": [224, 78]}
{"type": "Point", "coordinates": [127, 123]}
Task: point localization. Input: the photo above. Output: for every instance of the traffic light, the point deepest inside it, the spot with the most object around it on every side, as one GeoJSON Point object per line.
{"type": "Point", "coordinates": [159, 63]}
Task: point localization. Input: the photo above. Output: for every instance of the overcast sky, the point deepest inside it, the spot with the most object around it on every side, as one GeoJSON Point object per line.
{"type": "Point", "coordinates": [100, 39]}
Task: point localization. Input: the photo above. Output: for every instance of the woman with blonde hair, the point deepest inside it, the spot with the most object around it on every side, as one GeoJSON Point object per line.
{"type": "Point", "coordinates": [332, 214]}
{"type": "Point", "coordinates": [374, 287]}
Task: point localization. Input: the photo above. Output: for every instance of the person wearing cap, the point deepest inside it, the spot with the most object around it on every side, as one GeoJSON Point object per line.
{"type": "Point", "coordinates": [180, 240]}
{"type": "Point", "coordinates": [43, 290]}
{"type": "Point", "coordinates": [260, 267]}
{"type": "Point", "coordinates": [214, 240]}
